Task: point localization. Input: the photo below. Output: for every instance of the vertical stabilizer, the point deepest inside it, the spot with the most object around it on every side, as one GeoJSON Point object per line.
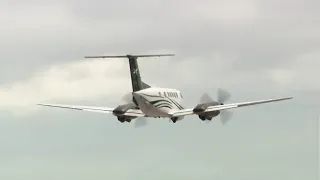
{"type": "Point", "coordinates": [136, 82]}
{"type": "Point", "coordinates": [135, 74]}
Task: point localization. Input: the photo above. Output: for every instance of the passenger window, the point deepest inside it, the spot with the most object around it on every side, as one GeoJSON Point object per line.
{"type": "Point", "coordinates": [181, 95]}
{"type": "Point", "coordinates": [159, 93]}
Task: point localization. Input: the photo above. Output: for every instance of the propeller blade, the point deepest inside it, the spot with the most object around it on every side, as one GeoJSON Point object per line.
{"type": "Point", "coordinates": [140, 122]}
{"type": "Point", "coordinates": [205, 98]}
{"type": "Point", "coordinates": [223, 96]}
{"type": "Point", "coordinates": [226, 116]}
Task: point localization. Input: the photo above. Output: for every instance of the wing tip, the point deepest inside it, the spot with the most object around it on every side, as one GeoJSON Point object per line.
{"type": "Point", "coordinates": [41, 104]}
{"type": "Point", "coordinates": [286, 98]}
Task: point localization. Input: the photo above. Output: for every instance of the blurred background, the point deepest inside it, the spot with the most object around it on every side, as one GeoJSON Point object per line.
{"type": "Point", "coordinates": [254, 49]}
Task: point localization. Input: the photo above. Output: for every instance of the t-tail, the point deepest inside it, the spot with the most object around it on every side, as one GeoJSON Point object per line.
{"type": "Point", "coordinates": [137, 83]}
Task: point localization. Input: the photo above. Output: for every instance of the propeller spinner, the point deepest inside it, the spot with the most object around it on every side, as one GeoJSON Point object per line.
{"type": "Point", "coordinates": [222, 97]}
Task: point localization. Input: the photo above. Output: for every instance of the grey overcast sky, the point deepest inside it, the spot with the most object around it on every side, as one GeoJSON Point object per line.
{"type": "Point", "coordinates": [256, 49]}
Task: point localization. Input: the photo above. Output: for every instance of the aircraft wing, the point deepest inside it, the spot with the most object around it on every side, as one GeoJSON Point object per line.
{"type": "Point", "coordinates": [185, 112]}
{"type": "Point", "coordinates": [130, 112]}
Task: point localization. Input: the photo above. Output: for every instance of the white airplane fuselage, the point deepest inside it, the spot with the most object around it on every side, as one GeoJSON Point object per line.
{"type": "Point", "coordinates": [158, 102]}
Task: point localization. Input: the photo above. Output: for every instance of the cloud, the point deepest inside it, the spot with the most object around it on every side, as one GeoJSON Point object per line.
{"type": "Point", "coordinates": [226, 11]}
{"type": "Point", "coordinates": [282, 76]}
{"type": "Point", "coordinates": [258, 33]}
{"type": "Point", "coordinates": [249, 47]}
{"type": "Point", "coordinates": [299, 73]}
{"type": "Point", "coordinates": [86, 80]}
{"type": "Point", "coordinates": [78, 80]}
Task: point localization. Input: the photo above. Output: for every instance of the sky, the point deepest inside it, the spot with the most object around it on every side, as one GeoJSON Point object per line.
{"type": "Point", "coordinates": [254, 49]}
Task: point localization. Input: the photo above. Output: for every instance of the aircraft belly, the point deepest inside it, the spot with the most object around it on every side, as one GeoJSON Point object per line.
{"type": "Point", "coordinates": [152, 111]}
{"type": "Point", "coordinates": [149, 109]}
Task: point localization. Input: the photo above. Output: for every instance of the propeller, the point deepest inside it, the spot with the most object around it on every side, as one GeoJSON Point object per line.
{"type": "Point", "coordinates": [127, 98]}
{"type": "Point", "coordinates": [139, 121]}
{"type": "Point", "coordinates": [222, 97]}
{"type": "Point", "coordinates": [205, 98]}
{"type": "Point", "coordinates": [225, 116]}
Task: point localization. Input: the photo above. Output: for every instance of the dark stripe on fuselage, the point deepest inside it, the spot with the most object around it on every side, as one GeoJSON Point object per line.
{"type": "Point", "coordinates": [164, 106]}
{"type": "Point", "coordinates": [151, 95]}
{"type": "Point", "coordinates": [175, 103]}
{"type": "Point", "coordinates": [161, 104]}
{"type": "Point", "coordinates": [168, 102]}
{"type": "Point", "coordinates": [160, 100]}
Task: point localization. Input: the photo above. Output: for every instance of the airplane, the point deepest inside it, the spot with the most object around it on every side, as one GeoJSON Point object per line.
{"type": "Point", "coordinates": [157, 102]}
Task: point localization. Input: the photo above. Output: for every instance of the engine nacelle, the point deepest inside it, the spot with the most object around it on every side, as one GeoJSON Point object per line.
{"type": "Point", "coordinates": [208, 115]}
{"type": "Point", "coordinates": [175, 119]}
{"type": "Point", "coordinates": [202, 107]}
{"type": "Point", "coordinates": [121, 109]}
{"type": "Point", "coordinates": [125, 118]}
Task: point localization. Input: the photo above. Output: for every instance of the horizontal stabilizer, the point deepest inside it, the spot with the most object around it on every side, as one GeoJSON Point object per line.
{"type": "Point", "coordinates": [133, 56]}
